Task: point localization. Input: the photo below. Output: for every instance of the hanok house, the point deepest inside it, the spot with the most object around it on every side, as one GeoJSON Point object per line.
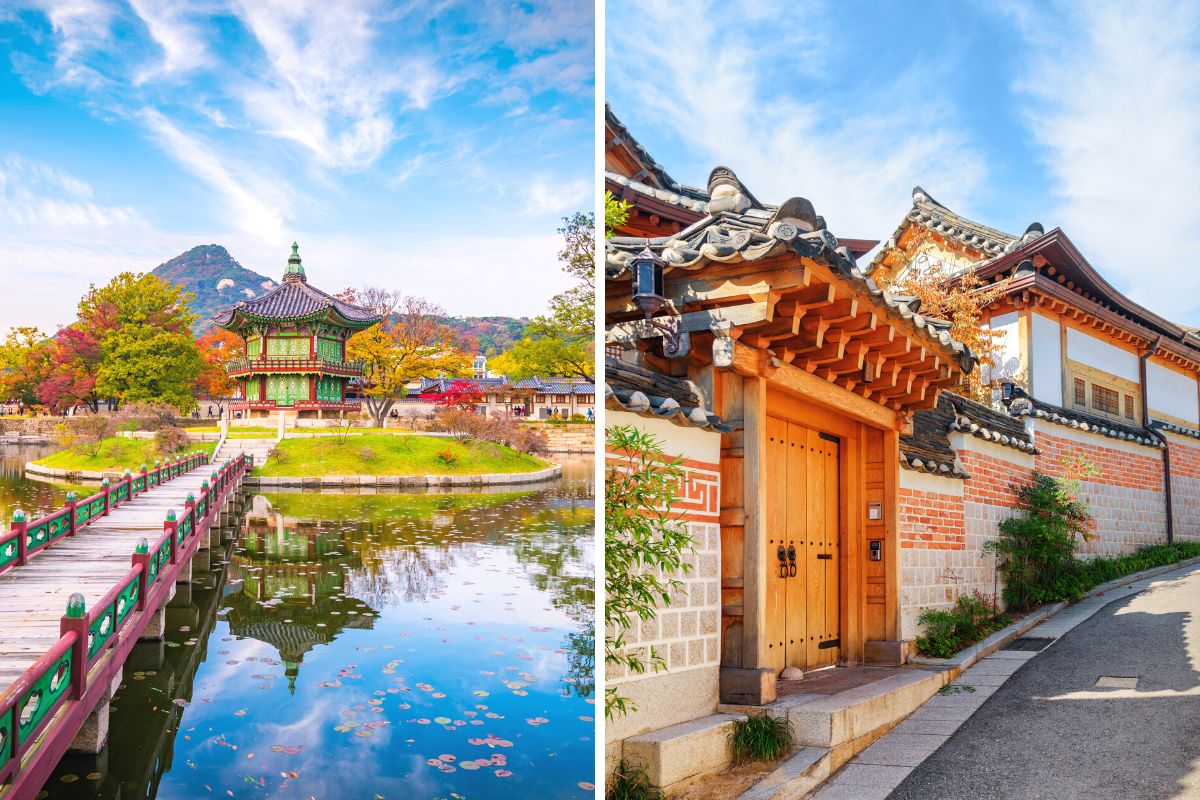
{"type": "Point", "coordinates": [529, 398]}
{"type": "Point", "coordinates": [1085, 372]}
{"type": "Point", "coordinates": [753, 345]}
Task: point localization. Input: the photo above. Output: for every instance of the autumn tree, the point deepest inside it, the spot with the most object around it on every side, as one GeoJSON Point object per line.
{"type": "Point", "coordinates": [413, 341]}
{"type": "Point", "coordinates": [24, 364]}
{"type": "Point", "coordinates": [462, 395]}
{"type": "Point", "coordinates": [143, 327]}
{"type": "Point", "coordinates": [562, 342]}
{"type": "Point", "coordinates": [960, 299]}
{"type": "Point", "coordinates": [74, 361]}
{"type": "Point", "coordinates": [217, 348]}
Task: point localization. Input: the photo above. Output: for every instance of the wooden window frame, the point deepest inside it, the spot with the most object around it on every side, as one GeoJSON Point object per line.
{"type": "Point", "coordinates": [1092, 377]}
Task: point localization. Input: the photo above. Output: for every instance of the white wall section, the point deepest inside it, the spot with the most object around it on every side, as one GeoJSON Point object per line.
{"type": "Point", "coordinates": [1101, 355]}
{"type": "Point", "coordinates": [1047, 360]}
{"type": "Point", "coordinates": [1171, 393]}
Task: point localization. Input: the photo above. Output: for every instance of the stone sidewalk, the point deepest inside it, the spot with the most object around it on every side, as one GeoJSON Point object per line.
{"type": "Point", "coordinates": [875, 772]}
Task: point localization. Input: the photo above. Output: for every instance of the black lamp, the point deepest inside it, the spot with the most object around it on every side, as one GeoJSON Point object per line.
{"type": "Point", "coordinates": [647, 282]}
{"type": "Point", "coordinates": [648, 296]}
{"type": "Point", "coordinates": [1007, 392]}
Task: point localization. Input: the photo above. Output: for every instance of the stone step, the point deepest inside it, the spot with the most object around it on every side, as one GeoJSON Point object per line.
{"type": "Point", "coordinates": [678, 755]}
{"type": "Point", "coordinates": [794, 778]}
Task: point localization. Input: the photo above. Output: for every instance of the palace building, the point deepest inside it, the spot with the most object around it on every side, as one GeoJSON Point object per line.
{"type": "Point", "coordinates": [295, 363]}
{"type": "Point", "coordinates": [836, 484]}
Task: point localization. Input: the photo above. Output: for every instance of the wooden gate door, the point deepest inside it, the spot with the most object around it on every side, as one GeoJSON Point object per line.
{"type": "Point", "coordinates": [802, 532]}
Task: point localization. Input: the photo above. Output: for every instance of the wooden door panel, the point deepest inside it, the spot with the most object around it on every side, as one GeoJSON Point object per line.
{"type": "Point", "coordinates": [830, 536]}
{"type": "Point", "coordinates": [778, 503]}
{"type": "Point", "coordinates": [797, 531]}
{"type": "Point", "coordinates": [816, 584]}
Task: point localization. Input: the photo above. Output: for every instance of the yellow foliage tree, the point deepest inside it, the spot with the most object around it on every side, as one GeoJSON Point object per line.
{"type": "Point", "coordinates": [960, 299]}
{"type": "Point", "coordinates": [412, 342]}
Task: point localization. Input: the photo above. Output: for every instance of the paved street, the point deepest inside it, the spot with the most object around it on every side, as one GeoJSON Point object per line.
{"type": "Point", "coordinates": [1050, 732]}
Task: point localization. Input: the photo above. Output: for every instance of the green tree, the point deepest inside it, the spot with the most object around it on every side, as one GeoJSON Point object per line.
{"type": "Point", "coordinates": [562, 342]}
{"type": "Point", "coordinates": [24, 364]}
{"type": "Point", "coordinates": [646, 547]}
{"type": "Point", "coordinates": [615, 213]}
{"type": "Point", "coordinates": [143, 327]}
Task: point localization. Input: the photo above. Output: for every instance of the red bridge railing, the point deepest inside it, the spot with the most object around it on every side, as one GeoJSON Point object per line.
{"type": "Point", "coordinates": [27, 538]}
{"type": "Point", "coordinates": [61, 680]}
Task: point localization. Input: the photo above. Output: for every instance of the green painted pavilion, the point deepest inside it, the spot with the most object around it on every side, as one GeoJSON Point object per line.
{"type": "Point", "coordinates": [295, 337]}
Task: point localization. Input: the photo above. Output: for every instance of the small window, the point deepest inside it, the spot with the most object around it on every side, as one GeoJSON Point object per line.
{"type": "Point", "coordinates": [1080, 392]}
{"type": "Point", "coordinates": [1105, 400]}
{"type": "Point", "coordinates": [1129, 406]}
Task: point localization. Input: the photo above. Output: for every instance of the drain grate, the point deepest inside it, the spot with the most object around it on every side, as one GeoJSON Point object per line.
{"type": "Point", "coordinates": [1028, 643]}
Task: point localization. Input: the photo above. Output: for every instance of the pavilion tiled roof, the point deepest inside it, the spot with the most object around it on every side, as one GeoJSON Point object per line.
{"type": "Point", "coordinates": [294, 299]}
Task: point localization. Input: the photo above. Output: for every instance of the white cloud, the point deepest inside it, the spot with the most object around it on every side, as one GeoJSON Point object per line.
{"type": "Point", "coordinates": [543, 195]}
{"type": "Point", "coordinates": [36, 194]}
{"type": "Point", "coordinates": [256, 205]}
{"type": "Point", "coordinates": [183, 45]}
{"type": "Point", "coordinates": [1115, 91]}
{"type": "Point", "coordinates": [224, 284]}
{"type": "Point", "coordinates": [735, 94]}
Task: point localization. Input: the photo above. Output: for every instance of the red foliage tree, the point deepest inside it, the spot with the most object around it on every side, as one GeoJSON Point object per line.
{"type": "Point", "coordinates": [72, 378]}
{"type": "Point", "coordinates": [459, 394]}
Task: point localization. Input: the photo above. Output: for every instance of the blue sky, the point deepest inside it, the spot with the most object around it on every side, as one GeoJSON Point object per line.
{"type": "Point", "coordinates": [427, 146]}
{"type": "Point", "coordinates": [1084, 116]}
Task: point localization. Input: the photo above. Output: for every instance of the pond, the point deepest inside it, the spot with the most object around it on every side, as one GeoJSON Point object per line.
{"type": "Point", "coordinates": [36, 498]}
{"type": "Point", "coordinates": [368, 646]}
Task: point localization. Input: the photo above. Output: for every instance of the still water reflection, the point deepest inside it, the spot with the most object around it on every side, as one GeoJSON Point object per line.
{"type": "Point", "coordinates": [370, 646]}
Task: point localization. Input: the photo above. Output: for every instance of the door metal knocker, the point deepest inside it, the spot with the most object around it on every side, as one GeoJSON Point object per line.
{"type": "Point", "coordinates": [782, 556]}
{"type": "Point", "coordinates": [791, 554]}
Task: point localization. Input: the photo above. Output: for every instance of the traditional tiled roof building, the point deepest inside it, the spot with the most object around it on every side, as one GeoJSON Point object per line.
{"type": "Point", "coordinates": [295, 337]}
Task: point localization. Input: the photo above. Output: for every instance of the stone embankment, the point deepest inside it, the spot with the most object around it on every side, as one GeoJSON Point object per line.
{"type": "Point", "coordinates": [31, 430]}
{"type": "Point", "coordinates": [568, 438]}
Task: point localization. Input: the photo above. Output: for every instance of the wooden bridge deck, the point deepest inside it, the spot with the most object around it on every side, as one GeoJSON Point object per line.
{"type": "Point", "coordinates": [34, 597]}
{"type": "Point", "coordinates": [57, 665]}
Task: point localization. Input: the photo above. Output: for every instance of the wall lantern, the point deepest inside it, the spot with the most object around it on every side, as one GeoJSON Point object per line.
{"type": "Point", "coordinates": [1006, 392]}
{"type": "Point", "coordinates": [649, 297]}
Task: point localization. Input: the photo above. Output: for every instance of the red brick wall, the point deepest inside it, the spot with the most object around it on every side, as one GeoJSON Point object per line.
{"type": "Point", "coordinates": [931, 520]}
{"type": "Point", "coordinates": [991, 479]}
{"type": "Point", "coordinates": [1117, 467]}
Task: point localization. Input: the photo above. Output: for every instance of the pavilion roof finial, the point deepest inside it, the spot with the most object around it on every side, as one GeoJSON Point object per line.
{"type": "Point", "coordinates": [294, 267]}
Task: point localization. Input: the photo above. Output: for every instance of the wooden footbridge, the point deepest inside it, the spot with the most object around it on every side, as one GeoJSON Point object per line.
{"type": "Point", "coordinates": [78, 589]}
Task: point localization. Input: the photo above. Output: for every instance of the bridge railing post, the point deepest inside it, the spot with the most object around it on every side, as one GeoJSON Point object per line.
{"type": "Point", "coordinates": [190, 505]}
{"type": "Point", "coordinates": [145, 478]}
{"type": "Point", "coordinates": [106, 487]}
{"type": "Point", "coordinates": [171, 525]}
{"type": "Point", "coordinates": [158, 476]}
{"type": "Point", "coordinates": [141, 558]}
{"type": "Point", "coordinates": [71, 503]}
{"type": "Point", "coordinates": [75, 621]}
{"type": "Point", "coordinates": [18, 527]}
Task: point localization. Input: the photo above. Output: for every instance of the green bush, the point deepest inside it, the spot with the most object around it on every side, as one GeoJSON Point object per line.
{"type": "Point", "coordinates": [1102, 570]}
{"type": "Point", "coordinates": [367, 454]}
{"type": "Point", "coordinates": [446, 456]}
{"type": "Point", "coordinates": [627, 782]}
{"type": "Point", "coordinates": [760, 737]}
{"type": "Point", "coordinates": [973, 617]}
{"type": "Point", "coordinates": [1036, 549]}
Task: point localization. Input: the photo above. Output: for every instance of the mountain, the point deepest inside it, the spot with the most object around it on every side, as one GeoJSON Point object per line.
{"type": "Point", "coordinates": [215, 277]}
{"type": "Point", "coordinates": [219, 281]}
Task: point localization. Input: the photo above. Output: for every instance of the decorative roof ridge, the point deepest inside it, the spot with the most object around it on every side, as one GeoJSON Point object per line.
{"type": "Point", "coordinates": [936, 217]}
{"type": "Point", "coordinates": [945, 469]}
{"type": "Point", "coordinates": [642, 153]}
{"type": "Point", "coordinates": [983, 421]}
{"type": "Point", "coordinates": [1026, 407]}
{"type": "Point", "coordinates": [706, 241]}
{"type": "Point", "coordinates": [687, 197]}
{"type": "Point", "coordinates": [1171, 427]}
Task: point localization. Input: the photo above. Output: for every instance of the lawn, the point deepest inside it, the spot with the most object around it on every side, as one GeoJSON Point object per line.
{"type": "Point", "coordinates": [115, 453]}
{"type": "Point", "coordinates": [382, 454]}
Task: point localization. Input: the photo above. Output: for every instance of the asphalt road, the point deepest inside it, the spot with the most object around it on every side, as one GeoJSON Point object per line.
{"type": "Point", "coordinates": [1049, 732]}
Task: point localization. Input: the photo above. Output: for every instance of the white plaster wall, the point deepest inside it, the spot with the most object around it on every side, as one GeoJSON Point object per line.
{"type": "Point", "coordinates": [1008, 362]}
{"type": "Point", "coordinates": [688, 442]}
{"type": "Point", "coordinates": [1099, 354]}
{"type": "Point", "coordinates": [1046, 349]}
{"type": "Point", "coordinates": [1171, 393]}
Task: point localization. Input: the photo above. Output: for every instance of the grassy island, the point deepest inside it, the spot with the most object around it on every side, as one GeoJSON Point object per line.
{"type": "Point", "coordinates": [113, 453]}
{"type": "Point", "coordinates": [386, 454]}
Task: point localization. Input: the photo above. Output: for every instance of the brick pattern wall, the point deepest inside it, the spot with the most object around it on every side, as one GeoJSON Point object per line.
{"type": "Point", "coordinates": [685, 634]}
{"type": "Point", "coordinates": [1185, 487]}
{"type": "Point", "coordinates": [931, 520]}
{"type": "Point", "coordinates": [1126, 499]}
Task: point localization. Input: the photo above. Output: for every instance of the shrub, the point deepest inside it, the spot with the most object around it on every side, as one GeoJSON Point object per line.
{"type": "Point", "coordinates": [1036, 549]}
{"type": "Point", "coordinates": [367, 454]}
{"type": "Point", "coordinates": [972, 617]}
{"type": "Point", "coordinates": [446, 456]}
{"type": "Point", "coordinates": [1101, 570]}
{"type": "Point", "coordinates": [90, 432]}
{"type": "Point", "coordinates": [279, 455]}
{"type": "Point", "coordinates": [169, 440]}
{"type": "Point", "coordinates": [760, 737]}
{"type": "Point", "coordinates": [629, 782]}
{"type": "Point", "coordinates": [146, 416]}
